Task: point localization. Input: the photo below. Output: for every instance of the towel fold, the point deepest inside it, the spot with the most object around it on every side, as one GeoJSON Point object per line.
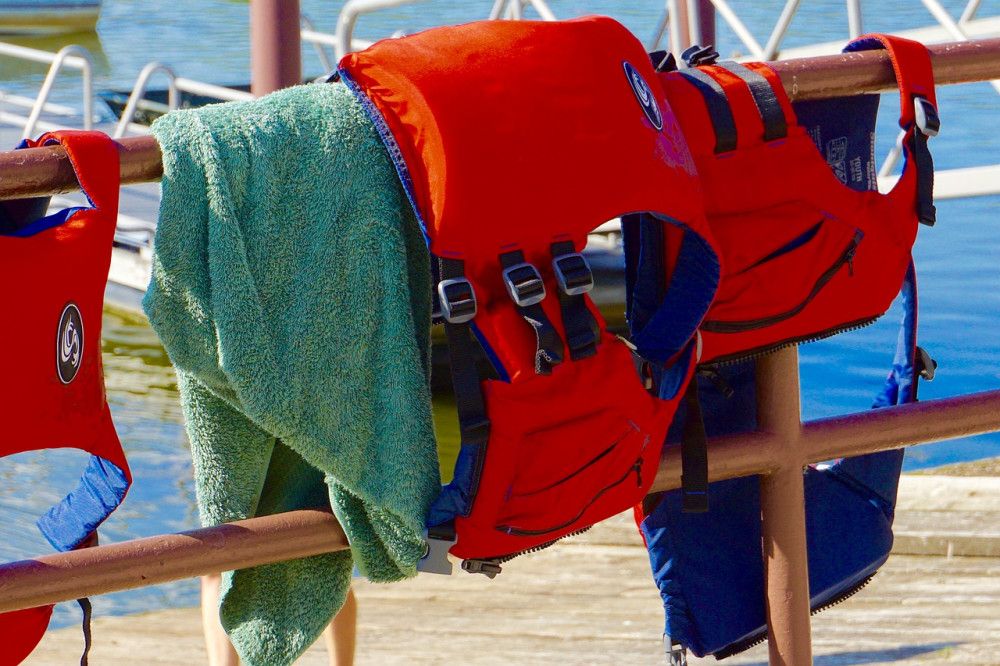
{"type": "Point", "coordinates": [291, 290]}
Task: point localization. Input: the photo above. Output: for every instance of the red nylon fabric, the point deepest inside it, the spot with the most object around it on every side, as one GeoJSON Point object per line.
{"type": "Point", "coordinates": [763, 195]}
{"type": "Point", "coordinates": [20, 633]}
{"type": "Point", "coordinates": [546, 477]}
{"type": "Point", "coordinates": [517, 135]}
{"type": "Point", "coordinates": [43, 275]}
{"type": "Point", "coordinates": [67, 264]}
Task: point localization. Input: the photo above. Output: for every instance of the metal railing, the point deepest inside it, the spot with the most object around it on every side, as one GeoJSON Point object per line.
{"type": "Point", "coordinates": [71, 57]}
{"type": "Point", "coordinates": [677, 21]}
{"type": "Point", "coordinates": [777, 451]}
{"type": "Point", "coordinates": [175, 86]}
{"type": "Point", "coordinates": [343, 41]}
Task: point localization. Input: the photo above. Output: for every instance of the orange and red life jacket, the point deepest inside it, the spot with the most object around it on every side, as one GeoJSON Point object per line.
{"type": "Point", "coordinates": [54, 270]}
{"type": "Point", "coordinates": [805, 251]}
{"type": "Point", "coordinates": [513, 141]}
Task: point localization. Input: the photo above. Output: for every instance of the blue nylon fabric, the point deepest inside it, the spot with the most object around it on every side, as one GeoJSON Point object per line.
{"type": "Point", "coordinates": [693, 556]}
{"type": "Point", "coordinates": [101, 489]}
{"type": "Point", "coordinates": [843, 130]}
{"type": "Point", "coordinates": [662, 318]}
{"type": "Point", "coordinates": [44, 223]}
{"type": "Point", "coordinates": [708, 566]}
{"type": "Point", "coordinates": [391, 147]}
{"type": "Point", "coordinates": [456, 497]}
{"type": "Point", "coordinates": [669, 381]}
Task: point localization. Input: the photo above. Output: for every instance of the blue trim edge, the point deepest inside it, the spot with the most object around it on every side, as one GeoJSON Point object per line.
{"type": "Point", "coordinates": [392, 147]}
{"type": "Point", "coordinates": [101, 490]}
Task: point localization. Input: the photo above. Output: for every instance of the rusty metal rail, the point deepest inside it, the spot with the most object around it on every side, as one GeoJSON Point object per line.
{"type": "Point", "coordinates": [46, 171]}
{"type": "Point", "coordinates": [777, 452]}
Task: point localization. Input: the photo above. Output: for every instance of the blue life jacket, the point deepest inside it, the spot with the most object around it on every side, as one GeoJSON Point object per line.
{"type": "Point", "coordinates": [708, 566]}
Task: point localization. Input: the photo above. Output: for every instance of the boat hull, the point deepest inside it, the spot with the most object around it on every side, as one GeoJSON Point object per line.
{"type": "Point", "coordinates": [44, 18]}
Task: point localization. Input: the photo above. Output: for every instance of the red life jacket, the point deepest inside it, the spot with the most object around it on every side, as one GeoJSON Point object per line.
{"type": "Point", "coordinates": [804, 255]}
{"type": "Point", "coordinates": [53, 271]}
{"type": "Point", "coordinates": [514, 140]}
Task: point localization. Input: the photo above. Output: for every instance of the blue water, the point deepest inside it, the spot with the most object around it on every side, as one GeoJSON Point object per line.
{"type": "Point", "coordinates": [958, 262]}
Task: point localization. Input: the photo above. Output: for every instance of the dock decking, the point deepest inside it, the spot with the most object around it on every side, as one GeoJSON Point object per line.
{"type": "Point", "coordinates": [590, 600]}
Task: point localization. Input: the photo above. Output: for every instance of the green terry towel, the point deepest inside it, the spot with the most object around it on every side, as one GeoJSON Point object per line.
{"type": "Point", "coordinates": [291, 290]}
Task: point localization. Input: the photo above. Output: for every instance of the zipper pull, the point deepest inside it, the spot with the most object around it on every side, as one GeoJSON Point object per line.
{"type": "Point", "coordinates": [638, 472]}
{"type": "Point", "coordinates": [850, 260]}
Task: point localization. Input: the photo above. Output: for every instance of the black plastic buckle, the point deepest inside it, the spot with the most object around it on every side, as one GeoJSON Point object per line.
{"type": "Point", "coordinates": [458, 300]}
{"type": "Point", "coordinates": [926, 366]}
{"type": "Point", "coordinates": [524, 284]}
{"type": "Point", "coordinates": [486, 567]}
{"type": "Point", "coordinates": [926, 116]}
{"type": "Point", "coordinates": [573, 274]}
{"type": "Point", "coordinates": [697, 55]}
{"type": "Point", "coordinates": [675, 653]}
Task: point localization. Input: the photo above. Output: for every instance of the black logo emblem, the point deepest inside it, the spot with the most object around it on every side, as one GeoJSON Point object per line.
{"type": "Point", "coordinates": [69, 344]}
{"type": "Point", "coordinates": [644, 94]}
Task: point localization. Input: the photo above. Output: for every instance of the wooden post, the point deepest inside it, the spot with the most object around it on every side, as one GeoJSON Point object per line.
{"type": "Point", "coordinates": [783, 515]}
{"type": "Point", "coordinates": [275, 45]}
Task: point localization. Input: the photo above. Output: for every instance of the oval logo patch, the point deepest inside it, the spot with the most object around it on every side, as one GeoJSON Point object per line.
{"type": "Point", "coordinates": [644, 94]}
{"type": "Point", "coordinates": [69, 344]}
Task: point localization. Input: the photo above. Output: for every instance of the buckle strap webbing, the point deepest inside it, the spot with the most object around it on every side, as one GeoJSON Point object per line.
{"type": "Point", "coordinates": [583, 333]}
{"type": "Point", "coordinates": [911, 64]}
{"type": "Point", "coordinates": [771, 113]}
{"type": "Point", "coordinates": [474, 427]}
{"type": "Point", "coordinates": [924, 163]}
{"type": "Point", "coordinates": [694, 454]}
{"type": "Point", "coordinates": [88, 612]}
{"type": "Point", "coordinates": [718, 108]}
{"type": "Point", "coordinates": [549, 346]}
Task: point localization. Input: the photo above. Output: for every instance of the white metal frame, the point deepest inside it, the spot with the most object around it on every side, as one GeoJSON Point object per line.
{"type": "Point", "coordinates": [771, 49]}
{"type": "Point", "coordinates": [69, 57]}
{"type": "Point", "coordinates": [175, 85]}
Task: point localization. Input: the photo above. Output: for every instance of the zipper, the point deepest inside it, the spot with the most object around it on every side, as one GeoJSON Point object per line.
{"type": "Point", "coordinates": [843, 596]}
{"type": "Point", "coordinates": [634, 467]}
{"type": "Point", "coordinates": [846, 257]}
{"type": "Point", "coordinates": [761, 636]}
{"type": "Point", "coordinates": [579, 470]}
{"type": "Point", "coordinates": [790, 246]}
{"type": "Point", "coordinates": [490, 566]}
{"type": "Point", "coordinates": [757, 352]}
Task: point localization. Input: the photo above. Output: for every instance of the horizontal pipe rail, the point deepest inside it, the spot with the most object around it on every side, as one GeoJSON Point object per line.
{"type": "Point", "coordinates": [160, 559]}
{"type": "Point", "coordinates": [854, 434]}
{"type": "Point", "coordinates": [783, 445]}
{"type": "Point", "coordinates": [47, 171]}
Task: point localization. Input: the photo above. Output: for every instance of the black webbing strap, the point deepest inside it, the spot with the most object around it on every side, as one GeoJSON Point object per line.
{"type": "Point", "coordinates": [88, 612]}
{"type": "Point", "coordinates": [694, 455]}
{"type": "Point", "coordinates": [462, 346]}
{"type": "Point", "coordinates": [718, 108]}
{"type": "Point", "coordinates": [549, 346]}
{"type": "Point", "coordinates": [924, 163]}
{"type": "Point", "coordinates": [583, 333]}
{"type": "Point", "coordinates": [764, 97]}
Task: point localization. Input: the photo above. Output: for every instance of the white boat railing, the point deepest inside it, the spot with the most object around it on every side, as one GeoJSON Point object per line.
{"type": "Point", "coordinates": [342, 41]}
{"type": "Point", "coordinates": [175, 86]}
{"type": "Point", "coordinates": [514, 9]}
{"type": "Point", "coordinates": [319, 41]}
{"type": "Point", "coordinates": [681, 24]}
{"type": "Point", "coordinates": [670, 25]}
{"type": "Point", "coordinates": [69, 57]}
